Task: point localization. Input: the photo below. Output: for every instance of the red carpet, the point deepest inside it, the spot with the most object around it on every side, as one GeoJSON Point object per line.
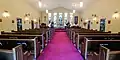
{"type": "Point", "coordinates": [60, 48]}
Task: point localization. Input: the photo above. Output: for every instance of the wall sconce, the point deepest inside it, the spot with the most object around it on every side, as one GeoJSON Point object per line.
{"type": "Point", "coordinates": [6, 14]}
{"type": "Point", "coordinates": [86, 20]}
{"type": "Point", "coordinates": [116, 15]}
{"type": "Point", "coordinates": [34, 20]}
{"type": "Point", "coordinates": [27, 17]}
{"type": "Point", "coordinates": [94, 17]}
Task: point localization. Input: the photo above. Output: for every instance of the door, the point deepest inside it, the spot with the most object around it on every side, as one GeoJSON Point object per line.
{"type": "Point", "coordinates": [19, 24]}
{"type": "Point", "coordinates": [32, 24]}
{"type": "Point", "coordinates": [89, 24]}
{"type": "Point", "coordinates": [102, 25]}
{"type": "Point", "coordinates": [76, 20]}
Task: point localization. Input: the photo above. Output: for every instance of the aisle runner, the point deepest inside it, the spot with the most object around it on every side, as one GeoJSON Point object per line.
{"type": "Point", "coordinates": [60, 48]}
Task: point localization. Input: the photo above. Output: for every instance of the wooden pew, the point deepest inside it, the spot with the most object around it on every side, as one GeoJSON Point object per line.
{"type": "Point", "coordinates": [110, 51]}
{"type": "Point", "coordinates": [11, 53]}
{"type": "Point", "coordinates": [73, 31]}
{"type": "Point", "coordinates": [92, 44]}
{"type": "Point", "coordinates": [41, 36]}
{"type": "Point", "coordinates": [48, 32]}
{"type": "Point", "coordinates": [80, 31]}
{"type": "Point", "coordinates": [81, 37]}
{"type": "Point", "coordinates": [30, 43]}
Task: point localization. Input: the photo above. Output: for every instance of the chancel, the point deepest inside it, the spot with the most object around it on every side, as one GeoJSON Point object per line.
{"type": "Point", "coordinates": [59, 30]}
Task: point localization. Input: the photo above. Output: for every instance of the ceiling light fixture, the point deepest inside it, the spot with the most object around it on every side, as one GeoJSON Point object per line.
{"type": "Point", "coordinates": [40, 4]}
{"type": "Point", "coordinates": [74, 11]}
{"type": "Point", "coordinates": [46, 11]}
{"type": "Point", "coordinates": [81, 4]}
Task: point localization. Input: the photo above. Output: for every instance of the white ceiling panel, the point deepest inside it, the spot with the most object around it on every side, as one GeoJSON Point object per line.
{"type": "Point", "coordinates": [51, 4]}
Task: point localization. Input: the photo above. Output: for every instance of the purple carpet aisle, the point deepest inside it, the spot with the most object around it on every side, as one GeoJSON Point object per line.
{"type": "Point", "coordinates": [60, 48]}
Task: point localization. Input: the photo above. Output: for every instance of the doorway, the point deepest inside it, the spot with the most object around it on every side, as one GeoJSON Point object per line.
{"type": "Point", "coordinates": [102, 25]}
{"type": "Point", "coordinates": [19, 24]}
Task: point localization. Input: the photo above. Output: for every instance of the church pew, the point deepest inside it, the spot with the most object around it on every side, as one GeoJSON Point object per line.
{"type": "Point", "coordinates": [110, 52]}
{"type": "Point", "coordinates": [75, 35]}
{"type": "Point", "coordinates": [79, 31]}
{"type": "Point", "coordinates": [74, 31]}
{"type": "Point", "coordinates": [30, 43]}
{"type": "Point", "coordinates": [48, 32]}
{"type": "Point", "coordinates": [11, 53]}
{"type": "Point", "coordinates": [81, 37]}
{"type": "Point", "coordinates": [89, 45]}
{"type": "Point", "coordinates": [41, 36]}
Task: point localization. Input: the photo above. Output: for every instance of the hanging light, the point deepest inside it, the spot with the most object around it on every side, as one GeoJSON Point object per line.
{"type": "Point", "coordinates": [116, 15]}
{"type": "Point", "coordinates": [81, 4]}
{"type": "Point", "coordinates": [40, 4]}
{"type": "Point", "coordinates": [46, 11]}
{"type": "Point", "coordinates": [74, 11]}
{"type": "Point", "coordinates": [5, 14]}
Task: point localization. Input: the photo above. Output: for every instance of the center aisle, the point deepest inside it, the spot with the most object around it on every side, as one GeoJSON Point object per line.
{"type": "Point", "coordinates": [60, 48]}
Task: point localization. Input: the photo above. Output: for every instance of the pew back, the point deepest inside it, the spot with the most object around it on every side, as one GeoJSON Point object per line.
{"type": "Point", "coordinates": [14, 54]}
{"type": "Point", "coordinates": [28, 44]}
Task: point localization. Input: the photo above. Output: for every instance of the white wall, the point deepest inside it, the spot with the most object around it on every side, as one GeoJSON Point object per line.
{"type": "Point", "coordinates": [16, 8]}
{"type": "Point", "coordinates": [43, 20]}
{"type": "Point", "coordinates": [104, 8]}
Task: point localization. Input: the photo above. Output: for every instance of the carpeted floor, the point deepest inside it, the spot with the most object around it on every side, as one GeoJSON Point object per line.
{"type": "Point", "coordinates": [60, 48]}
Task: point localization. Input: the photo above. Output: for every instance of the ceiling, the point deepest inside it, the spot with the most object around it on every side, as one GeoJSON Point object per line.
{"type": "Point", "coordinates": [51, 4]}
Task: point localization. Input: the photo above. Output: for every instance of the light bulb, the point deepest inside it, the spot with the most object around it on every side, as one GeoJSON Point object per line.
{"type": "Point", "coordinates": [26, 18]}
{"type": "Point", "coordinates": [34, 20]}
{"type": "Point", "coordinates": [95, 18]}
{"type": "Point", "coordinates": [40, 4]}
{"type": "Point", "coordinates": [6, 14]}
{"type": "Point", "coordinates": [81, 4]}
{"type": "Point", "coordinates": [74, 11]}
{"type": "Point", "coordinates": [86, 20]}
{"type": "Point", "coordinates": [46, 11]}
{"type": "Point", "coordinates": [116, 15]}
